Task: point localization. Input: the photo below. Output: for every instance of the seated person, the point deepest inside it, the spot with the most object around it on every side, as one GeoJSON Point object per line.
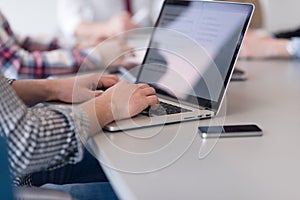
{"type": "Point", "coordinates": [47, 137]}
{"type": "Point", "coordinates": [281, 45]}
{"type": "Point", "coordinates": [96, 20]}
{"type": "Point", "coordinates": [40, 59]}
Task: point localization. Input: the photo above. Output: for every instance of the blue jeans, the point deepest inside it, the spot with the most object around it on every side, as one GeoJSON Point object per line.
{"type": "Point", "coordinates": [84, 180]}
{"type": "Point", "coordinates": [87, 191]}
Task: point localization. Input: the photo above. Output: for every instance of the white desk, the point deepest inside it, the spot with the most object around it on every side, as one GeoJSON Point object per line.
{"type": "Point", "coordinates": [263, 168]}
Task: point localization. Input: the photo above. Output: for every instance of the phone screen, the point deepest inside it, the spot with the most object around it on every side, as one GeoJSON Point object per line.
{"type": "Point", "coordinates": [230, 129]}
{"type": "Point", "coordinates": [250, 130]}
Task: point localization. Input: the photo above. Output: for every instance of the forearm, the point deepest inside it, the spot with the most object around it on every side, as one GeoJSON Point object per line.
{"type": "Point", "coordinates": [98, 114]}
{"type": "Point", "coordinates": [35, 91]}
{"type": "Point", "coordinates": [92, 30]}
{"type": "Point", "coordinates": [256, 46]}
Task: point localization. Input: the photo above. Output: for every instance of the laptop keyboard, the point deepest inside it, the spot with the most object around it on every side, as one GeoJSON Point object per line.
{"type": "Point", "coordinates": [165, 109]}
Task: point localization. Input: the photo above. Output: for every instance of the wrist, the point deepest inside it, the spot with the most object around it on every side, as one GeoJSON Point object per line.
{"type": "Point", "coordinates": [279, 49]}
{"type": "Point", "coordinates": [103, 110]}
{"type": "Point", "coordinates": [11, 81]}
{"type": "Point", "coordinates": [52, 89]}
{"type": "Point", "coordinates": [99, 113]}
{"type": "Point", "coordinates": [293, 47]}
{"type": "Point", "coordinates": [108, 29]}
{"type": "Point", "coordinates": [101, 30]}
{"type": "Point", "coordinates": [283, 49]}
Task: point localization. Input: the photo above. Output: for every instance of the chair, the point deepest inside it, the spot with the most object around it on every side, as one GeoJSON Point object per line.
{"type": "Point", "coordinates": [7, 192]}
{"type": "Point", "coordinates": [5, 182]}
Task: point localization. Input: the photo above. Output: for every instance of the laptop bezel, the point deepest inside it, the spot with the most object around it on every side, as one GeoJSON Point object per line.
{"type": "Point", "coordinates": [204, 103]}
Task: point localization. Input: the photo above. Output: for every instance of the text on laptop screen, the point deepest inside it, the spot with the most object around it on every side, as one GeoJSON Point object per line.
{"type": "Point", "coordinates": [192, 49]}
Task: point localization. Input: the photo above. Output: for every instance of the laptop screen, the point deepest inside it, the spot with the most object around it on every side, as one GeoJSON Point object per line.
{"type": "Point", "coordinates": [194, 48]}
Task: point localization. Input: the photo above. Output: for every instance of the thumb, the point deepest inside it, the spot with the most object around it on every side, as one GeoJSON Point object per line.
{"type": "Point", "coordinates": [97, 93]}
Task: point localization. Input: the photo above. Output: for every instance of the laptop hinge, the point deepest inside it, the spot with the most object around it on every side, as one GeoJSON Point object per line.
{"type": "Point", "coordinates": [182, 102]}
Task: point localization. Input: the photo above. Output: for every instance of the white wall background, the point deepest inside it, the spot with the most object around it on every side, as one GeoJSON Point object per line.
{"type": "Point", "coordinates": [281, 14]}
{"type": "Point", "coordinates": [38, 17]}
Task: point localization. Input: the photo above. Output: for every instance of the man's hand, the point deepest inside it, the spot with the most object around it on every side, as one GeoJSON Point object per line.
{"type": "Point", "coordinates": [121, 101]}
{"type": "Point", "coordinates": [81, 88]}
{"type": "Point", "coordinates": [120, 23]}
{"type": "Point", "coordinates": [114, 53]}
{"type": "Point", "coordinates": [89, 34]}
{"type": "Point", "coordinates": [127, 100]}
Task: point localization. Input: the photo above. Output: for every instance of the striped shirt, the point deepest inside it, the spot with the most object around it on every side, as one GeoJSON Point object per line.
{"type": "Point", "coordinates": [37, 58]}
{"type": "Point", "coordinates": [42, 137]}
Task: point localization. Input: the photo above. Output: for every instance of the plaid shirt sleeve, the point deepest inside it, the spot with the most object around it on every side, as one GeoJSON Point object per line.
{"type": "Point", "coordinates": [29, 58]}
{"type": "Point", "coordinates": [42, 137]}
{"type": "Point", "coordinates": [38, 44]}
{"type": "Point", "coordinates": [43, 64]}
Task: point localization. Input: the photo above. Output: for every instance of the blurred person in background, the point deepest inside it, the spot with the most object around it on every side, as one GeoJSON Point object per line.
{"type": "Point", "coordinates": [35, 58]}
{"type": "Point", "coordinates": [91, 21]}
{"type": "Point", "coordinates": [280, 45]}
{"type": "Point", "coordinates": [259, 45]}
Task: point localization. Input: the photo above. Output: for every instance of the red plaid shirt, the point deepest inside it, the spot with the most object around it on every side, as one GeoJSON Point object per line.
{"type": "Point", "coordinates": [37, 59]}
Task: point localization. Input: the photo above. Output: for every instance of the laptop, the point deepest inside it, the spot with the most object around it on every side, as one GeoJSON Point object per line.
{"type": "Point", "coordinates": [189, 61]}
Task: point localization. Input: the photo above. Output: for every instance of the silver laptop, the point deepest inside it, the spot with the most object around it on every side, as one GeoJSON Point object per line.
{"type": "Point", "coordinates": [189, 61]}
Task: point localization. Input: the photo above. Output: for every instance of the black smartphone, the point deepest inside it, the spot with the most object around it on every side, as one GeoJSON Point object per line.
{"type": "Point", "coordinates": [248, 130]}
